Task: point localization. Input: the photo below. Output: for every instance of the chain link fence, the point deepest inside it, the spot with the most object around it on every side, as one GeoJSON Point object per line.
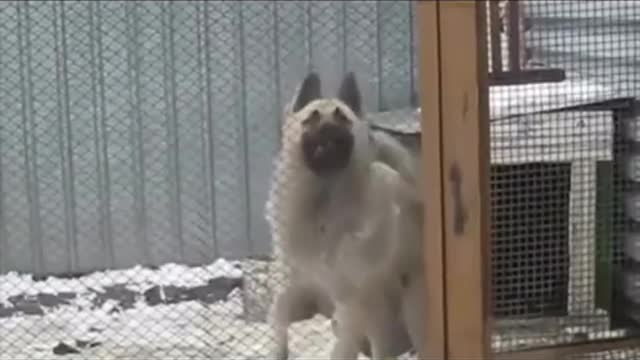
{"type": "Point", "coordinates": [136, 146]}
{"type": "Point", "coordinates": [137, 143]}
{"type": "Point", "coordinates": [563, 154]}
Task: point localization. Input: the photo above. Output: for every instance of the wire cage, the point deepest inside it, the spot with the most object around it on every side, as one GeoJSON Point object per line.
{"type": "Point", "coordinates": [137, 148]}
{"type": "Point", "coordinates": [560, 223]}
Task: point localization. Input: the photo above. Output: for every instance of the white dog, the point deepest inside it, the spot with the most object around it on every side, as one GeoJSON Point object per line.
{"type": "Point", "coordinates": [347, 221]}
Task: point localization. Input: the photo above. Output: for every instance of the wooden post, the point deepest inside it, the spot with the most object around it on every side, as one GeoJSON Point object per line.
{"type": "Point", "coordinates": [495, 35]}
{"type": "Point", "coordinates": [514, 34]}
{"type": "Point", "coordinates": [455, 138]}
{"type": "Point", "coordinates": [429, 71]}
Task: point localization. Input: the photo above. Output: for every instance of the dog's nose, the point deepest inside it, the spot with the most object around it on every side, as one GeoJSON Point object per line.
{"type": "Point", "coordinates": [322, 149]}
{"type": "Point", "coordinates": [318, 151]}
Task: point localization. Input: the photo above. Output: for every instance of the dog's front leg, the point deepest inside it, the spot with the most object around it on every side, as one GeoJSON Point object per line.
{"type": "Point", "coordinates": [347, 345]}
{"type": "Point", "coordinates": [295, 303]}
{"type": "Point", "coordinates": [381, 340]}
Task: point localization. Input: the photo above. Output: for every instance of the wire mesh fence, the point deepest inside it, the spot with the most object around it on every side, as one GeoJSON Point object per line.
{"type": "Point", "coordinates": [620, 354]}
{"type": "Point", "coordinates": [562, 187]}
{"type": "Point", "coordinates": [137, 147]}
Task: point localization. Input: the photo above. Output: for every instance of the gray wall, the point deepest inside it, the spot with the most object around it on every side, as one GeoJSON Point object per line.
{"type": "Point", "coordinates": [142, 133]}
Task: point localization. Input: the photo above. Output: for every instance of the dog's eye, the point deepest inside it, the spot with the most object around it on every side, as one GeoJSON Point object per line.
{"type": "Point", "coordinates": [312, 119]}
{"type": "Point", "coordinates": [340, 117]}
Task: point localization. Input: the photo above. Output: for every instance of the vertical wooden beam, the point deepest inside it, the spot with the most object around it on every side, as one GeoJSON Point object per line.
{"type": "Point", "coordinates": [429, 72]}
{"type": "Point", "coordinates": [455, 149]}
{"type": "Point", "coordinates": [514, 33]}
{"type": "Point", "coordinates": [466, 166]}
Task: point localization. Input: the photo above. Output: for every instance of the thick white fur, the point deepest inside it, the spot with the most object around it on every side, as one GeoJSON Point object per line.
{"type": "Point", "coordinates": [378, 298]}
{"type": "Point", "coordinates": [350, 246]}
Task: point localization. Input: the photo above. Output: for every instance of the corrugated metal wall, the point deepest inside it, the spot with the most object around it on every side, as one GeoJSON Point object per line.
{"type": "Point", "coordinates": [143, 132]}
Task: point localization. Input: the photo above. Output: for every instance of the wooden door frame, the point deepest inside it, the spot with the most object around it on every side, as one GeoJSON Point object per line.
{"type": "Point", "coordinates": [455, 145]}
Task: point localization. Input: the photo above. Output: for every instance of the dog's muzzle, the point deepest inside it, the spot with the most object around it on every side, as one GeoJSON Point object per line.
{"type": "Point", "coordinates": [327, 149]}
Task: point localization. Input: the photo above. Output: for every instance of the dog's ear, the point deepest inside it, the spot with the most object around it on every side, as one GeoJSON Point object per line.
{"type": "Point", "coordinates": [309, 91]}
{"type": "Point", "coordinates": [349, 93]}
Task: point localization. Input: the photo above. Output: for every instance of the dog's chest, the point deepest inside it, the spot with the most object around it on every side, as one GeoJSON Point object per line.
{"type": "Point", "coordinates": [355, 243]}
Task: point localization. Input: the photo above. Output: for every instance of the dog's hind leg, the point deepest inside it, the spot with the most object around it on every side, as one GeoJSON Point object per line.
{"type": "Point", "coordinates": [413, 313]}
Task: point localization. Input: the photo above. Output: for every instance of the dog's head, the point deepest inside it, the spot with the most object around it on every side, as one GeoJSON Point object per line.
{"type": "Point", "coordinates": [326, 128]}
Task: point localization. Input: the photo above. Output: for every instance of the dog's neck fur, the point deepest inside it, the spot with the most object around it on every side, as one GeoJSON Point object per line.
{"type": "Point", "coordinates": [303, 193]}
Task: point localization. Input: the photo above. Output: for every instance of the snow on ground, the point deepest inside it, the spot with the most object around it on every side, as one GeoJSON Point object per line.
{"type": "Point", "coordinates": [82, 328]}
{"type": "Point", "coordinates": [144, 314]}
{"type": "Point", "coordinates": [136, 278]}
{"type": "Point", "coordinates": [186, 330]}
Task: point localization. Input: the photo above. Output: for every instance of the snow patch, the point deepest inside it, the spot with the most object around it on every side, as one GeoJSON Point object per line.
{"type": "Point", "coordinates": [138, 279]}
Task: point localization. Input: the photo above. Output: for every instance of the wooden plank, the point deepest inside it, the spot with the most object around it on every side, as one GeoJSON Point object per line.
{"type": "Point", "coordinates": [515, 100]}
{"type": "Point", "coordinates": [512, 102]}
{"type": "Point", "coordinates": [496, 41]}
{"type": "Point", "coordinates": [604, 233]}
{"type": "Point", "coordinates": [466, 158]}
{"type": "Point", "coordinates": [513, 17]}
{"type": "Point", "coordinates": [529, 76]}
{"type": "Point", "coordinates": [553, 137]}
{"type": "Point", "coordinates": [429, 68]}
{"type": "Point", "coordinates": [564, 352]}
